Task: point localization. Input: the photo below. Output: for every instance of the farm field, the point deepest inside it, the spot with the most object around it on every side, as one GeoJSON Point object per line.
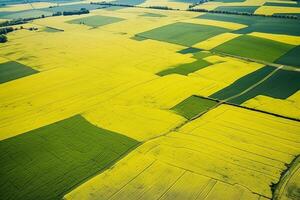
{"type": "Point", "coordinates": [148, 99]}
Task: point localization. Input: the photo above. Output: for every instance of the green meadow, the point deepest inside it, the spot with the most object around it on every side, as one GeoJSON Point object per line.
{"type": "Point", "coordinates": [259, 24]}
{"type": "Point", "coordinates": [181, 33]}
{"type": "Point", "coordinates": [96, 21]}
{"type": "Point", "coordinates": [255, 48]}
{"type": "Point", "coordinates": [280, 85]}
{"type": "Point", "coordinates": [48, 162]}
{"type": "Point", "coordinates": [247, 9]}
{"type": "Point", "coordinates": [152, 15]}
{"type": "Point", "coordinates": [192, 106]}
{"type": "Point", "coordinates": [290, 58]}
{"type": "Point", "coordinates": [13, 70]}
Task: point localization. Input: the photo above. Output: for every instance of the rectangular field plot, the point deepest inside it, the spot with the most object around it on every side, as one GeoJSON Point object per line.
{"type": "Point", "coordinates": [290, 58]}
{"type": "Point", "coordinates": [255, 48]}
{"type": "Point", "coordinates": [72, 7]}
{"type": "Point", "coordinates": [96, 21]}
{"type": "Point", "coordinates": [231, 18]}
{"type": "Point", "coordinates": [13, 70]}
{"type": "Point", "coordinates": [193, 106]}
{"type": "Point", "coordinates": [24, 14]}
{"type": "Point", "coordinates": [128, 2]}
{"type": "Point", "coordinates": [185, 69]}
{"type": "Point", "coordinates": [257, 136]}
{"type": "Point", "coordinates": [181, 33]}
{"type": "Point", "coordinates": [296, 4]}
{"type": "Point", "coordinates": [152, 15]}
{"type": "Point", "coordinates": [247, 9]}
{"type": "Point", "coordinates": [280, 85]}
{"type": "Point", "coordinates": [243, 83]}
{"type": "Point", "coordinates": [259, 24]}
{"type": "Point", "coordinates": [47, 162]}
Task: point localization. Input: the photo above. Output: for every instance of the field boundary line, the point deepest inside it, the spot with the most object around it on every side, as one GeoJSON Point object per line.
{"type": "Point", "coordinates": [279, 187]}
{"type": "Point", "coordinates": [283, 66]}
{"type": "Point", "coordinates": [108, 166]}
{"type": "Point", "coordinates": [249, 108]}
{"type": "Point", "coordinates": [141, 172]}
{"type": "Point", "coordinates": [179, 177]}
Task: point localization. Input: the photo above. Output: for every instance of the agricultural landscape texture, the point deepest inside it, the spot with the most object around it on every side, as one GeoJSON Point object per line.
{"type": "Point", "coordinates": [150, 100]}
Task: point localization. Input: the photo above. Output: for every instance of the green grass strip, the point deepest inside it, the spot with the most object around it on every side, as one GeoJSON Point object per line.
{"type": "Point", "coordinates": [13, 70]}
{"type": "Point", "coordinates": [290, 58]}
{"type": "Point", "coordinates": [243, 9]}
{"type": "Point", "coordinates": [152, 15]}
{"type": "Point", "coordinates": [282, 4]}
{"type": "Point", "coordinates": [255, 48]}
{"type": "Point", "coordinates": [192, 106]}
{"type": "Point", "coordinates": [48, 162]}
{"type": "Point", "coordinates": [187, 68]}
{"type": "Point", "coordinates": [280, 85]}
{"type": "Point", "coordinates": [51, 30]}
{"type": "Point", "coordinates": [95, 21]}
{"type": "Point", "coordinates": [243, 83]}
{"type": "Point", "coordinates": [186, 34]}
{"type": "Point", "coordinates": [189, 50]}
{"type": "Point", "coordinates": [258, 23]}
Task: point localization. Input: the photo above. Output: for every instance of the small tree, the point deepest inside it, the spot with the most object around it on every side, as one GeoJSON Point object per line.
{"type": "Point", "coordinates": [3, 38]}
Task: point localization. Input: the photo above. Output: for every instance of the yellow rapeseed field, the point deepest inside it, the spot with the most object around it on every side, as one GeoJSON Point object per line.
{"type": "Point", "coordinates": [289, 107]}
{"type": "Point", "coordinates": [109, 77]}
{"type": "Point", "coordinates": [226, 70]}
{"type": "Point", "coordinates": [210, 153]}
{"type": "Point", "coordinates": [288, 39]}
{"type": "Point", "coordinates": [167, 3]}
{"type": "Point", "coordinates": [27, 6]}
{"type": "Point", "coordinates": [270, 10]}
{"type": "Point", "coordinates": [216, 41]}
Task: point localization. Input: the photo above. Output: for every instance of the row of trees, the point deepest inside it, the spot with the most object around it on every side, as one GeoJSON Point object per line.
{"type": "Point", "coordinates": [3, 32]}
{"type": "Point", "coordinates": [191, 8]}
{"type": "Point", "coordinates": [6, 30]}
{"type": "Point", "coordinates": [3, 38]}
{"type": "Point", "coordinates": [76, 12]}
{"type": "Point", "coordinates": [198, 3]}
{"type": "Point", "coordinates": [129, 5]}
{"type": "Point", "coordinates": [104, 3]}
{"type": "Point", "coordinates": [13, 22]}
{"type": "Point", "coordinates": [162, 8]}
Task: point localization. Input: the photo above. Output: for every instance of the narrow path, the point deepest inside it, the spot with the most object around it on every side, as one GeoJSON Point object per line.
{"type": "Point", "coordinates": [285, 67]}
{"type": "Point", "coordinates": [254, 85]}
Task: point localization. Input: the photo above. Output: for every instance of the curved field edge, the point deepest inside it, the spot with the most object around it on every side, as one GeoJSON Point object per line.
{"type": "Point", "coordinates": [288, 186]}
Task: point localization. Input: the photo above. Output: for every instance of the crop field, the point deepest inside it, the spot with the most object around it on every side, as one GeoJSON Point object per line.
{"type": "Point", "coordinates": [56, 157]}
{"type": "Point", "coordinates": [187, 68]}
{"type": "Point", "coordinates": [248, 9]}
{"type": "Point", "coordinates": [193, 106]}
{"type": "Point", "coordinates": [95, 21]}
{"type": "Point", "coordinates": [150, 100]}
{"type": "Point", "coordinates": [185, 34]}
{"type": "Point", "coordinates": [254, 47]}
{"type": "Point", "coordinates": [204, 154]}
